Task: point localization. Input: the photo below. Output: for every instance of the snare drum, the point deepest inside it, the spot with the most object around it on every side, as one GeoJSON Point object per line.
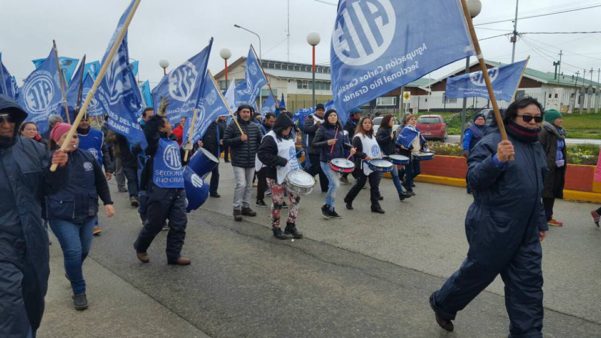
{"type": "Point", "coordinates": [342, 165]}
{"type": "Point", "coordinates": [299, 182]}
{"type": "Point", "coordinates": [379, 165]}
{"type": "Point", "coordinates": [398, 159]}
{"type": "Point", "coordinates": [424, 156]}
{"type": "Point", "coordinates": [203, 162]}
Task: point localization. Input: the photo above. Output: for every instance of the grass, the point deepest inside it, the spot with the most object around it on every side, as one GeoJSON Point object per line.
{"type": "Point", "coordinates": [587, 125]}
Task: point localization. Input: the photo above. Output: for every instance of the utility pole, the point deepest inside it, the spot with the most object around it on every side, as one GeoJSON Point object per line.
{"type": "Point", "coordinates": [560, 54]}
{"type": "Point", "coordinates": [514, 37]}
{"type": "Point", "coordinates": [598, 100]}
{"type": "Point", "coordinates": [556, 74]}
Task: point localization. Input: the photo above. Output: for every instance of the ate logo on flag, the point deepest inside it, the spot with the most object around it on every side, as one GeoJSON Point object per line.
{"type": "Point", "coordinates": [118, 85]}
{"type": "Point", "coordinates": [478, 80]}
{"type": "Point", "coordinates": [39, 92]}
{"type": "Point", "coordinates": [211, 98]}
{"type": "Point", "coordinates": [253, 69]}
{"type": "Point", "coordinates": [182, 81]}
{"type": "Point", "coordinates": [171, 157]}
{"type": "Point", "coordinates": [364, 31]}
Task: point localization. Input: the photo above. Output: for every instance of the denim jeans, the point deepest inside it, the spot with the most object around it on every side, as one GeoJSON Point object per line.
{"type": "Point", "coordinates": [333, 184]}
{"type": "Point", "coordinates": [396, 180]}
{"type": "Point", "coordinates": [75, 240]}
{"type": "Point", "coordinates": [242, 192]}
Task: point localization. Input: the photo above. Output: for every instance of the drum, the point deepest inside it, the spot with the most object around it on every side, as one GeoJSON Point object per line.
{"type": "Point", "coordinates": [424, 156]}
{"type": "Point", "coordinates": [381, 166]}
{"type": "Point", "coordinates": [398, 159]}
{"type": "Point", "coordinates": [299, 182]}
{"type": "Point", "coordinates": [342, 165]}
{"type": "Point", "coordinates": [197, 191]}
{"type": "Point", "coordinates": [203, 162]}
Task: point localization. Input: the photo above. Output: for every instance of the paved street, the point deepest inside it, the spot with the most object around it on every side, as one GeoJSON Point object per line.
{"type": "Point", "coordinates": [363, 275]}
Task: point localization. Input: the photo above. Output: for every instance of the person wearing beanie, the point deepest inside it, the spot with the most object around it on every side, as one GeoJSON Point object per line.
{"type": "Point", "coordinates": [329, 141]}
{"type": "Point", "coordinates": [504, 225]}
{"type": "Point", "coordinates": [472, 135]}
{"type": "Point", "coordinates": [277, 156]}
{"type": "Point", "coordinates": [552, 137]}
{"type": "Point", "coordinates": [243, 146]}
{"type": "Point", "coordinates": [350, 127]}
{"type": "Point", "coordinates": [72, 210]}
{"type": "Point", "coordinates": [25, 181]}
{"type": "Point", "coordinates": [312, 165]}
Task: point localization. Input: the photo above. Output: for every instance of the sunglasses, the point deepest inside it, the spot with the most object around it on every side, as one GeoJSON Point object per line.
{"type": "Point", "coordinates": [8, 118]}
{"type": "Point", "coordinates": [527, 118]}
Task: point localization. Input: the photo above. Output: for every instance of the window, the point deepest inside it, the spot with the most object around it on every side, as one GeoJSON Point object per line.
{"type": "Point", "coordinates": [300, 84]}
{"type": "Point", "coordinates": [556, 95]}
{"type": "Point", "coordinates": [386, 101]}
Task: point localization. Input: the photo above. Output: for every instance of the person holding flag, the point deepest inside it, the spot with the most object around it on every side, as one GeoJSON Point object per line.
{"type": "Point", "coordinates": [213, 142]}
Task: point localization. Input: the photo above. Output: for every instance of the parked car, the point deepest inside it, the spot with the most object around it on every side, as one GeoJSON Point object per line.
{"type": "Point", "coordinates": [378, 120]}
{"type": "Point", "coordinates": [432, 127]}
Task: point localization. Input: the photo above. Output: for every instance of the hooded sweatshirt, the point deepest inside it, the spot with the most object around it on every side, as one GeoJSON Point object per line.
{"type": "Point", "coordinates": [267, 153]}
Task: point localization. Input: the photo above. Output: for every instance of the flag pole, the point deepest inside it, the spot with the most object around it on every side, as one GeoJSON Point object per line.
{"type": "Point", "coordinates": [105, 65]}
{"type": "Point", "coordinates": [83, 76]}
{"type": "Point", "coordinates": [225, 102]}
{"type": "Point", "coordinates": [491, 93]}
{"type": "Point", "coordinates": [62, 82]}
{"type": "Point", "coordinates": [521, 77]}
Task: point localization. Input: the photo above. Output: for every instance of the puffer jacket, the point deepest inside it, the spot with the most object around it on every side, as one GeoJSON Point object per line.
{"type": "Point", "coordinates": [243, 153]}
{"type": "Point", "coordinates": [320, 142]}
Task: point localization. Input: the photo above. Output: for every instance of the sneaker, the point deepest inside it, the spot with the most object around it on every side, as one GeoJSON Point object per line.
{"type": "Point", "coordinates": [133, 200]}
{"type": "Point", "coordinates": [97, 230]}
{"type": "Point", "coordinates": [215, 195]}
{"type": "Point", "coordinates": [596, 217]}
{"type": "Point", "coordinates": [237, 215]}
{"type": "Point", "coordinates": [180, 261]}
{"type": "Point", "coordinates": [334, 213]}
{"type": "Point", "coordinates": [554, 223]}
{"type": "Point", "coordinates": [277, 233]}
{"type": "Point", "coordinates": [261, 203]}
{"type": "Point", "coordinates": [377, 209]}
{"type": "Point", "coordinates": [80, 302]}
{"type": "Point", "coordinates": [292, 231]}
{"type": "Point", "coordinates": [325, 211]}
{"type": "Point", "coordinates": [249, 212]}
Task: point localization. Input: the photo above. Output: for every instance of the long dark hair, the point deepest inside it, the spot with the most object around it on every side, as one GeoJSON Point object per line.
{"type": "Point", "coordinates": [359, 128]}
{"type": "Point", "coordinates": [386, 121]}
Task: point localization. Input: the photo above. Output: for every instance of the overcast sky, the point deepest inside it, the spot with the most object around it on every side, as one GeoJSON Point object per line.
{"type": "Point", "coordinates": [175, 30]}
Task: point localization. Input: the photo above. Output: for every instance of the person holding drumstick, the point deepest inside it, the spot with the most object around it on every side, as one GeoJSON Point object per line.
{"type": "Point", "coordinates": [329, 139]}
{"type": "Point", "coordinates": [385, 137]}
{"type": "Point", "coordinates": [277, 153]}
{"type": "Point", "coordinates": [410, 142]}
{"type": "Point", "coordinates": [367, 149]}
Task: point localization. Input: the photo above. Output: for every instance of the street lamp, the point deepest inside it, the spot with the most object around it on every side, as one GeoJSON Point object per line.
{"type": "Point", "coordinates": [225, 55]}
{"type": "Point", "coordinates": [255, 33]}
{"type": "Point", "coordinates": [164, 64]}
{"type": "Point", "coordinates": [474, 7]}
{"type": "Point", "coordinates": [313, 40]}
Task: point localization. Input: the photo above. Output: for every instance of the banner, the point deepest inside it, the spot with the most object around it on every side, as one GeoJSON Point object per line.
{"type": "Point", "coordinates": [268, 105]}
{"type": "Point", "coordinates": [94, 108]}
{"type": "Point", "coordinates": [8, 85]}
{"type": "Point", "coordinates": [381, 45]}
{"type": "Point", "coordinates": [74, 92]}
{"type": "Point", "coordinates": [93, 68]}
{"type": "Point", "coordinates": [40, 94]}
{"type": "Point", "coordinates": [255, 78]}
{"type": "Point", "coordinates": [505, 80]}
{"type": "Point", "coordinates": [182, 86]}
{"type": "Point", "coordinates": [68, 66]}
{"type": "Point", "coordinates": [211, 106]}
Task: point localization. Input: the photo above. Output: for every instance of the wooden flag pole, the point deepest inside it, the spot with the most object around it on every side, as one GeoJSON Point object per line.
{"type": "Point", "coordinates": [491, 92]}
{"type": "Point", "coordinates": [62, 82]}
{"type": "Point", "coordinates": [190, 135]}
{"type": "Point", "coordinates": [225, 102]}
{"type": "Point", "coordinates": [105, 64]}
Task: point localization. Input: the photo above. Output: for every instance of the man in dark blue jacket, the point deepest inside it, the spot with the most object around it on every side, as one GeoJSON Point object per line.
{"type": "Point", "coordinates": [504, 225]}
{"type": "Point", "coordinates": [24, 179]}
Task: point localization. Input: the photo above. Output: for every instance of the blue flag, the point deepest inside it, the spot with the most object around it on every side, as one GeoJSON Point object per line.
{"type": "Point", "coordinates": [182, 86]}
{"type": "Point", "coordinates": [146, 94]}
{"type": "Point", "coordinates": [93, 68]}
{"type": "Point", "coordinates": [211, 106]}
{"type": "Point", "coordinates": [380, 45]}
{"type": "Point", "coordinates": [255, 78]}
{"type": "Point", "coordinates": [40, 94]}
{"type": "Point", "coordinates": [505, 80]}
{"type": "Point", "coordinates": [268, 105]}
{"type": "Point", "coordinates": [7, 83]}
{"type": "Point", "coordinates": [134, 67]}
{"type": "Point", "coordinates": [242, 94]}
{"type": "Point", "coordinates": [74, 92]}
{"type": "Point", "coordinates": [94, 108]}
{"type": "Point", "coordinates": [68, 66]}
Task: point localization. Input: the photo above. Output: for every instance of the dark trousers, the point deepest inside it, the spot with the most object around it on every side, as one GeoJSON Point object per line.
{"type": "Point", "coordinates": [131, 174]}
{"type": "Point", "coordinates": [15, 305]}
{"type": "Point", "coordinates": [315, 169]}
{"type": "Point", "coordinates": [412, 169]}
{"type": "Point", "coordinates": [214, 180]}
{"type": "Point", "coordinates": [261, 185]}
{"type": "Point", "coordinates": [164, 204]}
{"type": "Point", "coordinates": [548, 203]}
{"type": "Point", "coordinates": [226, 153]}
{"type": "Point", "coordinates": [374, 191]}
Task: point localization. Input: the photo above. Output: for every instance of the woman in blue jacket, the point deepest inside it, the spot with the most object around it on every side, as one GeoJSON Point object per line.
{"type": "Point", "coordinates": [72, 210]}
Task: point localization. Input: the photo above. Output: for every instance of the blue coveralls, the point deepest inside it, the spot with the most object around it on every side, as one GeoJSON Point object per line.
{"type": "Point", "coordinates": [502, 227]}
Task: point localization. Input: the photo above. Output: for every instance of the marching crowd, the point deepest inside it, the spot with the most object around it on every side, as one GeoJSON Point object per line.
{"type": "Point", "coordinates": [514, 184]}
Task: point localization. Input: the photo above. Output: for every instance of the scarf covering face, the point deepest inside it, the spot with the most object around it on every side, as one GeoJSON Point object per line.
{"type": "Point", "coordinates": [522, 134]}
{"type": "Point", "coordinates": [557, 131]}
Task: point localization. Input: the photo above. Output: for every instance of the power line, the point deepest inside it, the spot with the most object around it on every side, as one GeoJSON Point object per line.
{"type": "Point", "coordinates": [589, 32]}
{"type": "Point", "coordinates": [494, 36]}
{"type": "Point", "coordinates": [536, 16]}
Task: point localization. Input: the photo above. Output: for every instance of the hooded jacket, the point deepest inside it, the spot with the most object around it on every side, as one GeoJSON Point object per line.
{"type": "Point", "coordinates": [555, 177]}
{"type": "Point", "coordinates": [243, 153]}
{"type": "Point", "coordinates": [268, 150]}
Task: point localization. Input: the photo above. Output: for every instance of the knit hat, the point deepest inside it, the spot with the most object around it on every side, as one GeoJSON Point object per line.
{"type": "Point", "coordinates": [479, 115]}
{"type": "Point", "coordinates": [551, 115]}
{"type": "Point", "coordinates": [320, 106]}
{"type": "Point", "coordinates": [59, 130]}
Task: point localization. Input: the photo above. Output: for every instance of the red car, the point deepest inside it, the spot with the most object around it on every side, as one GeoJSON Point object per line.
{"type": "Point", "coordinates": [432, 127]}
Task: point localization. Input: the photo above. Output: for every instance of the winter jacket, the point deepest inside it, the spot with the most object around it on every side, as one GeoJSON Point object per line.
{"type": "Point", "coordinates": [320, 142]}
{"type": "Point", "coordinates": [243, 153]}
{"type": "Point", "coordinates": [211, 138]}
{"type": "Point", "coordinates": [310, 128]}
{"type": "Point", "coordinates": [387, 144]}
{"type": "Point", "coordinates": [77, 199]}
{"type": "Point", "coordinates": [555, 177]}
{"type": "Point", "coordinates": [268, 150]}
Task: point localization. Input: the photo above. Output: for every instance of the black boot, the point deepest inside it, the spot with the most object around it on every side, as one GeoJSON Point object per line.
{"type": "Point", "coordinates": [445, 324]}
{"type": "Point", "coordinates": [325, 211]}
{"type": "Point", "coordinates": [291, 230]}
{"type": "Point", "coordinates": [349, 204]}
{"type": "Point", "coordinates": [237, 215]}
{"type": "Point", "coordinates": [248, 212]}
{"type": "Point", "coordinates": [377, 209]}
{"type": "Point", "coordinates": [277, 233]}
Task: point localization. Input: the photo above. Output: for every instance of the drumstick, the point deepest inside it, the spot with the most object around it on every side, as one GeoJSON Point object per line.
{"type": "Point", "coordinates": [335, 138]}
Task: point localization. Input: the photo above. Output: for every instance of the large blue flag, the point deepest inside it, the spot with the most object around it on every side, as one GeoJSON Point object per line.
{"type": "Point", "coordinates": [268, 105]}
{"type": "Point", "coordinates": [40, 94]}
{"type": "Point", "coordinates": [94, 108]}
{"type": "Point", "coordinates": [68, 66]}
{"type": "Point", "coordinates": [255, 78]}
{"type": "Point", "coordinates": [380, 45]}
{"type": "Point", "coordinates": [182, 86]}
{"type": "Point", "coordinates": [211, 106]}
{"type": "Point", "coordinates": [505, 80]}
{"type": "Point", "coordinates": [7, 82]}
{"type": "Point", "coordinates": [74, 92]}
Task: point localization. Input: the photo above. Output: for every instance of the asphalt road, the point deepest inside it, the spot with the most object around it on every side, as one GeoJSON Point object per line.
{"type": "Point", "coordinates": [361, 276]}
